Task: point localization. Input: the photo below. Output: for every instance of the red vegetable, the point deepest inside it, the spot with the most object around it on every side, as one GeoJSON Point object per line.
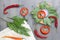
{"type": "Point", "coordinates": [12, 37]}
{"type": "Point", "coordinates": [24, 11]}
{"type": "Point", "coordinates": [39, 36]}
{"type": "Point", "coordinates": [10, 6]}
{"type": "Point", "coordinates": [56, 20]}
{"type": "Point", "coordinates": [45, 29]}
{"type": "Point", "coordinates": [41, 14]}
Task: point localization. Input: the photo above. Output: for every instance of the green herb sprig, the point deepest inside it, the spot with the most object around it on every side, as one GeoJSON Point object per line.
{"type": "Point", "coordinates": [17, 27]}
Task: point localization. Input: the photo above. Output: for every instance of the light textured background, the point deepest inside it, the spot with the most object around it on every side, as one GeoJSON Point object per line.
{"type": "Point", "coordinates": [53, 35]}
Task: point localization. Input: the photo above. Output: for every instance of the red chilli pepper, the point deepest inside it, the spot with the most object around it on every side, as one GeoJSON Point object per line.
{"type": "Point", "coordinates": [10, 6]}
{"type": "Point", "coordinates": [56, 21]}
{"type": "Point", "coordinates": [39, 36]}
{"type": "Point", "coordinates": [43, 29]}
{"type": "Point", "coordinates": [24, 11]}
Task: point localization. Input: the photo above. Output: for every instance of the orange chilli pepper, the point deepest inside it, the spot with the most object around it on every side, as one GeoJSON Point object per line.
{"type": "Point", "coordinates": [45, 29]}
{"type": "Point", "coordinates": [24, 11]}
{"type": "Point", "coordinates": [41, 14]}
{"type": "Point", "coordinates": [15, 38]}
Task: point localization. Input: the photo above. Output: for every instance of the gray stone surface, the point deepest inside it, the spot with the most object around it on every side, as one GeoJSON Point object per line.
{"type": "Point", "coordinates": [53, 35]}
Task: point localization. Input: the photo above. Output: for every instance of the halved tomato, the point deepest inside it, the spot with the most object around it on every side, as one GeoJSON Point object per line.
{"type": "Point", "coordinates": [41, 14]}
{"type": "Point", "coordinates": [45, 29]}
{"type": "Point", "coordinates": [24, 11]}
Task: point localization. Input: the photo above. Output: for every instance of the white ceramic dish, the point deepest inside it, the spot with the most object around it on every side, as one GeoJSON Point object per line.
{"type": "Point", "coordinates": [8, 32]}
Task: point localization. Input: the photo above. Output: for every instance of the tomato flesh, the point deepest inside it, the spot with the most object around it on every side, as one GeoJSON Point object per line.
{"type": "Point", "coordinates": [24, 11]}
{"type": "Point", "coordinates": [41, 14]}
{"type": "Point", "coordinates": [45, 29]}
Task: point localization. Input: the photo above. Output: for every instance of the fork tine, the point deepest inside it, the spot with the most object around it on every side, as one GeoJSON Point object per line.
{"type": "Point", "coordinates": [3, 19]}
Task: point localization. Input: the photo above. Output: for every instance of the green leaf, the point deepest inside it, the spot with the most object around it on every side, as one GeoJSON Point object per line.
{"type": "Point", "coordinates": [16, 26]}
{"type": "Point", "coordinates": [12, 26]}
{"type": "Point", "coordinates": [47, 21]}
{"type": "Point", "coordinates": [23, 33]}
{"type": "Point", "coordinates": [51, 10]}
{"type": "Point", "coordinates": [35, 10]}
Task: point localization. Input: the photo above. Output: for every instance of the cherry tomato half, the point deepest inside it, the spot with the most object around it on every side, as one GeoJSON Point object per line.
{"type": "Point", "coordinates": [45, 29]}
{"type": "Point", "coordinates": [24, 11]}
{"type": "Point", "coordinates": [41, 14]}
